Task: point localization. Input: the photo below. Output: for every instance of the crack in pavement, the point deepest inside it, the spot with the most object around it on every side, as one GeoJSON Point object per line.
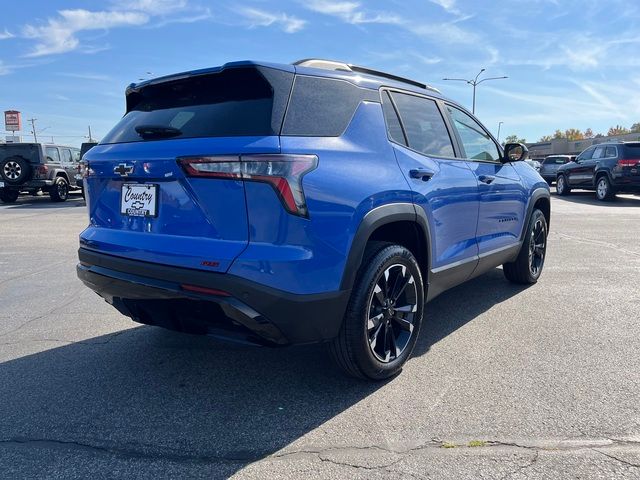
{"type": "Point", "coordinates": [625, 462]}
{"type": "Point", "coordinates": [137, 451]}
{"type": "Point", "coordinates": [598, 243]}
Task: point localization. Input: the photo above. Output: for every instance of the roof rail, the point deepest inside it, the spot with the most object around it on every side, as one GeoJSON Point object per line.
{"type": "Point", "coordinates": [348, 67]}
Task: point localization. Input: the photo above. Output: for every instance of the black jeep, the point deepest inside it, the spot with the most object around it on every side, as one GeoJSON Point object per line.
{"type": "Point", "coordinates": [34, 166]}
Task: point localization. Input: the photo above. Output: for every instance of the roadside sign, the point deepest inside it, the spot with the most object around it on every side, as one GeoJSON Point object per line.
{"type": "Point", "coordinates": [12, 121]}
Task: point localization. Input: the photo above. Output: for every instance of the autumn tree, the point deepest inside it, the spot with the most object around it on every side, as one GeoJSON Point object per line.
{"type": "Point", "coordinates": [546, 138]}
{"type": "Point", "coordinates": [618, 130]}
{"type": "Point", "coordinates": [588, 133]}
{"type": "Point", "coordinates": [514, 139]}
{"type": "Point", "coordinates": [573, 134]}
{"type": "Point", "coordinates": [558, 135]}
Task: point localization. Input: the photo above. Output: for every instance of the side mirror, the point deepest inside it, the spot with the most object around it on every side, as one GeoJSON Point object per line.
{"type": "Point", "coordinates": [515, 152]}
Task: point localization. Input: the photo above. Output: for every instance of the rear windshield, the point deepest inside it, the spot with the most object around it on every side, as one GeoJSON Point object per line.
{"type": "Point", "coordinates": [555, 161]}
{"type": "Point", "coordinates": [234, 102]}
{"type": "Point", "coordinates": [30, 152]}
{"type": "Point", "coordinates": [632, 150]}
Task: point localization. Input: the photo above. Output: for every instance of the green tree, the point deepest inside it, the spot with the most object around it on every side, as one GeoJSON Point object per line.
{"type": "Point", "coordinates": [546, 138]}
{"type": "Point", "coordinates": [618, 130]}
{"type": "Point", "coordinates": [514, 139]}
{"type": "Point", "coordinates": [635, 128]}
{"type": "Point", "coordinates": [558, 134]}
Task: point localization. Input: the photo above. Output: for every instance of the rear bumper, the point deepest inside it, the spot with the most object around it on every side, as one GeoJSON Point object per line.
{"type": "Point", "coordinates": [154, 294]}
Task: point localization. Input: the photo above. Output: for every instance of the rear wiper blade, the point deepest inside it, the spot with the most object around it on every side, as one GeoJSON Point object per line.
{"type": "Point", "coordinates": [157, 131]}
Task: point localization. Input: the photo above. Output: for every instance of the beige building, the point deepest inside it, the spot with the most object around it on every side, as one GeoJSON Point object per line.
{"type": "Point", "coordinates": [562, 146]}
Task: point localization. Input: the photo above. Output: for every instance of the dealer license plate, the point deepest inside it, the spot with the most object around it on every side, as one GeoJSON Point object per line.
{"type": "Point", "coordinates": [139, 200]}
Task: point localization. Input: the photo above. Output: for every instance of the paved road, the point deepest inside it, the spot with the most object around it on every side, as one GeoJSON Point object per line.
{"type": "Point", "coordinates": [542, 382]}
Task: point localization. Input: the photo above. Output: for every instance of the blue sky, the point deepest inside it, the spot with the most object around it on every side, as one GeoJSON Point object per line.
{"type": "Point", "coordinates": [571, 64]}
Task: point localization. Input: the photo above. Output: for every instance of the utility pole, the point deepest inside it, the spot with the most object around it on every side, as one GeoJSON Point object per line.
{"type": "Point", "coordinates": [33, 127]}
{"type": "Point", "coordinates": [499, 125]}
{"type": "Point", "coordinates": [90, 137]}
{"type": "Point", "coordinates": [475, 82]}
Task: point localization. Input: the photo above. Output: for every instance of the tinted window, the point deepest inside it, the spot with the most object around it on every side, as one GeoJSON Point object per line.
{"type": "Point", "coordinates": [52, 154]}
{"type": "Point", "coordinates": [323, 107]}
{"type": "Point", "coordinates": [611, 152]}
{"type": "Point", "coordinates": [586, 155]}
{"type": "Point", "coordinates": [391, 118]}
{"type": "Point", "coordinates": [66, 156]}
{"type": "Point", "coordinates": [423, 124]}
{"type": "Point", "coordinates": [233, 102]}
{"type": "Point", "coordinates": [598, 153]}
{"type": "Point", "coordinates": [477, 143]}
{"type": "Point", "coordinates": [555, 161]}
{"type": "Point", "coordinates": [632, 150]}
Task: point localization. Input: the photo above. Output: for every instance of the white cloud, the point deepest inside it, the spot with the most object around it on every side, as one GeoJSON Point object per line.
{"type": "Point", "coordinates": [4, 69]}
{"type": "Point", "coordinates": [352, 12]}
{"type": "Point", "coordinates": [151, 7]}
{"type": "Point", "coordinates": [448, 5]}
{"type": "Point", "coordinates": [6, 34]}
{"type": "Point", "coordinates": [87, 76]}
{"type": "Point", "coordinates": [261, 18]}
{"type": "Point", "coordinates": [59, 34]}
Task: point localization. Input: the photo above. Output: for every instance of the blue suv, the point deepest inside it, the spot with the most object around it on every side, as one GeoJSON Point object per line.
{"type": "Point", "coordinates": [312, 202]}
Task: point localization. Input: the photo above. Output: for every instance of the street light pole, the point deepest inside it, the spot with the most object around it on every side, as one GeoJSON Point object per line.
{"type": "Point", "coordinates": [499, 125]}
{"type": "Point", "coordinates": [33, 127]}
{"type": "Point", "coordinates": [474, 83]}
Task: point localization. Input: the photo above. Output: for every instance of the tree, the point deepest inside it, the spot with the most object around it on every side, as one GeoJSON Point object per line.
{"type": "Point", "coordinates": [635, 128]}
{"type": "Point", "coordinates": [513, 139]}
{"type": "Point", "coordinates": [618, 130]}
{"type": "Point", "coordinates": [588, 133]}
{"type": "Point", "coordinates": [573, 134]}
{"type": "Point", "coordinates": [546, 138]}
{"type": "Point", "coordinates": [558, 135]}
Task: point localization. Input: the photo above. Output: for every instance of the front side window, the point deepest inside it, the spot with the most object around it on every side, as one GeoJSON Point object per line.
{"type": "Point", "coordinates": [423, 124]}
{"type": "Point", "coordinates": [52, 154]}
{"type": "Point", "coordinates": [586, 155]}
{"type": "Point", "coordinates": [477, 143]}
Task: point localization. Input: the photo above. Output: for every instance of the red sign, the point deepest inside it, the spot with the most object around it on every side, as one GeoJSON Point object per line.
{"type": "Point", "coordinates": [12, 121]}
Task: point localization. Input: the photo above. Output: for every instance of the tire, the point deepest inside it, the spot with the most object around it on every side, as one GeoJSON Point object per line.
{"type": "Point", "coordinates": [15, 170]}
{"type": "Point", "coordinates": [59, 191]}
{"type": "Point", "coordinates": [375, 321]}
{"type": "Point", "coordinates": [604, 191]}
{"type": "Point", "coordinates": [527, 267]}
{"type": "Point", "coordinates": [562, 187]}
{"type": "Point", "coordinates": [8, 196]}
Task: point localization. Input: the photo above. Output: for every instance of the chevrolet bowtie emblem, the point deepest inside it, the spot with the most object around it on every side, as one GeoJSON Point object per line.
{"type": "Point", "coordinates": [123, 169]}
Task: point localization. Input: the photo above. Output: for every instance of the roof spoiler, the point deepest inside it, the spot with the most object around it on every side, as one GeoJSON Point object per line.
{"type": "Point", "coordinates": [348, 67]}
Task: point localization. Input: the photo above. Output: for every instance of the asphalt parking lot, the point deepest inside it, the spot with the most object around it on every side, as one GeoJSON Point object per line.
{"type": "Point", "coordinates": [506, 382]}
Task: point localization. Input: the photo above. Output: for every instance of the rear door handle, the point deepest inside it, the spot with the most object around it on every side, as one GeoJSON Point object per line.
{"type": "Point", "coordinates": [488, 179]}
{"type": "Point", "coordinates": [423, 174]}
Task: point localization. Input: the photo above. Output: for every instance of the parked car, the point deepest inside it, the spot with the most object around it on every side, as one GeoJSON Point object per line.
{"type": "Point", "coordinates": [36, 166]}
{"type": "Point", "coordinates": [607, 168]}
{"type": "Point", "coordinates": [313, 202]}
{"type": "Point", "coordinates": [550, 165]}
{"type": "Point", "coordinates": [84, 148]}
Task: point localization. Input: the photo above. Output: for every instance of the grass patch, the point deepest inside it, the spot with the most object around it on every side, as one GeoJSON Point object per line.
{"type": "Point", "coordinates": [477, 443]}
{"type": "Point", "coordinates": [448, 445]}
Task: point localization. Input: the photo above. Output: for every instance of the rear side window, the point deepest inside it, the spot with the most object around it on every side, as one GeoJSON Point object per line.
{"type": "Point", "coordinates": [391, 118]}
{"type": "Point", "coordinates": [66, 156]}
{"type": "Point", "coordinates": [477, 143]}
{"type": "Point", "coordinates": [424, 125]}
{"type": "Point", "coordinates": [233, 102]}
{"type": "Point", "coordinates": [598, 153]}
{"type": "Point", "coordinates": [610, 152]}
{"type": "Point", "coordinates": [52, 154]}
{"type": "Point", "coordinates": [323, 107]}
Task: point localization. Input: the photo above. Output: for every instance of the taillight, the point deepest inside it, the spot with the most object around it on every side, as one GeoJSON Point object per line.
{"type": "Point", "coordinates": [283, 172]}
{"type": "Point", "coordinates": [85, 170]}
{"type": "Point", "coordinates": [205, 290]}
{"type": "Point", "coordinates": [42, 171]}
{"type": "Point", "coordinates": [628, 162]}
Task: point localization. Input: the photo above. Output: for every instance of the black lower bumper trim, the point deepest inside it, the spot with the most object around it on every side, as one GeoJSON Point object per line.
{"type": "Point", "coordinates": [151, 293]}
